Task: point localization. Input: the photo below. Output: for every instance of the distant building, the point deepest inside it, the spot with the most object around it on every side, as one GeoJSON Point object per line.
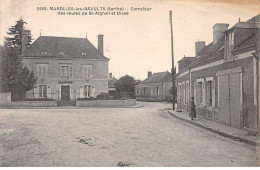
{"type": "Point", "coordinates": [155, 88]}
{"type": "Point", "coordinates": [223, 76]}
{"type": "Point", "coordinates": [111, 85]}
{"type": "Point", "coordinates": [67, 68]}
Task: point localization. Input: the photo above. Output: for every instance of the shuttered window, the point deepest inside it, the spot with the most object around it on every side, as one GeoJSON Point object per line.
{"type": "Point", "coordinates": [66, 72]}
{"type": "Point", "coordinates": [42, 70]}
{"type": "Point", "coordinates": [86, 71]}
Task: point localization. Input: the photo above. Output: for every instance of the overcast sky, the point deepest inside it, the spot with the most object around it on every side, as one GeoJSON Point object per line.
{"type": "Point", "coordinates": [135, 43]}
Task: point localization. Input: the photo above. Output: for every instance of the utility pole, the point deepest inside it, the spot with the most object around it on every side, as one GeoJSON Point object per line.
{"type": "Point", "coordinates": [173, 69]}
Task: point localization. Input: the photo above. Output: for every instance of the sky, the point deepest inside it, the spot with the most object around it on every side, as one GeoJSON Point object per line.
{"type": "Point", "coordinates": [135, 43]}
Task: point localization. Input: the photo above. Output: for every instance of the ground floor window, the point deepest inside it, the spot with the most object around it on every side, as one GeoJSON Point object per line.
{"type": "Point", "coordinates": [199, 93]}
{"type": "Point", "coordinates": [208, 93]}
{"type": "Point", "coordinates": [88, 90]}
{"type": "Point", "coordinates": [145, 90]}
{"type": "Point", "coordinates": [42, 91]}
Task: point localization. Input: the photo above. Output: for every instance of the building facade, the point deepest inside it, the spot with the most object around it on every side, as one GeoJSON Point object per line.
{"type": "Point", "coordinates": [223, 76]}
{"type": "Point", "coordinates": [66, 68]}
{"type": "Point", "coordinates": [155, 88]}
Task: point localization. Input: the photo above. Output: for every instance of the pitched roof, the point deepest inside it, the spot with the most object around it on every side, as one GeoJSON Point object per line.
{"type": "Point", "coordinates": [209, 54]}
{"type": "Point", "coordinates": [186, 59]}
{"type": "Point", "coordinates": [112, 81]}
{"type": "Point", "coordinates": [212, 53]}
{"type": "Point", "coordinates": [71, 47]}
{"type": "Point", "coordinates": [158, 77]}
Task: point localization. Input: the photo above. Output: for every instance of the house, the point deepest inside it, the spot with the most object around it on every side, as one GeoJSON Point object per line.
{"type": "Point", "coordinates": [223, 76]}
{"type": "Point", "coordinates": [111, 85]}
{"type": "Point", "coordinates": [156, 87]}
{"type": "Point", "coordinates": [67, 68]}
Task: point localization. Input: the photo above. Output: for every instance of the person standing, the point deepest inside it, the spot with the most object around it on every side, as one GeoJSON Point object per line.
{"type": "Point", "coordinates": [192, 109]}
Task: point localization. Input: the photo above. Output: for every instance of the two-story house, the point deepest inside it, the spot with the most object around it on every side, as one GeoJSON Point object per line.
{"type": "Point", "coordinates": [223, 76]}
{"type": "Point", "coordinates": [67, 68]}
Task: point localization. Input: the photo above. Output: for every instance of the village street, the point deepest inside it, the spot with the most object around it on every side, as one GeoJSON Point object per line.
{"type": "Point", "coordinates": [146, 136]}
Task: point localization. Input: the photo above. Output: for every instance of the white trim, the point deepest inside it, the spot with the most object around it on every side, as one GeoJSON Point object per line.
{"type": "Point", "coordinates": [200, 80]}
{"type": "Point", "coordinates": [184, 73]}
{"type": "Point", "coordinates": [244, 55]}
{"type": "Point", "coordinates": [208, 65]}
{"type": "Point", "coordinates": [209, 78]}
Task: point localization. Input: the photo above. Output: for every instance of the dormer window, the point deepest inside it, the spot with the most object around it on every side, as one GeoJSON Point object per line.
{"type": "Point", "coordinates": [44, 53]}
{"type": "Point", "coordinates": [83, 54]}
{"type": "Point", "coordinates": [61, 53]}
{"type": "Point", "coordinates": [229, 44]}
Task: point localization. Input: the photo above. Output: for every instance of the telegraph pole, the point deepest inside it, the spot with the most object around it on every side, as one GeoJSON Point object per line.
{"type": "Point", "coordinates": [173, 69]}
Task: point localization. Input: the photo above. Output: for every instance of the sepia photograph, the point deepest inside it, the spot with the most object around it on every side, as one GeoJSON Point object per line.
{"type": "Point", "coordinates": [129, 83]}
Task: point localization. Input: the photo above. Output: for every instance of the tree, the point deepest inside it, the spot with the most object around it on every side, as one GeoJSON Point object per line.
{"type": "Point", "coordinates": [16, 35]}
{"type": "Point", "coordinates": [14, 77]}
{"type": "Point", "coordinates": [125, 87]}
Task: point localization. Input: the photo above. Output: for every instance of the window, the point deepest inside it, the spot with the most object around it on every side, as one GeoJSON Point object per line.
{"type": "Point", "coordinates": [86, 71]}
{"type": "Point", "coordinates": [208, 93]}
{"type": "Point", "coordinates": [137, 90]}
{"type": "Point", "coordinates": [187, 93]}
{"type": "Point", "coordinates": [199, 94]}
{"type": "Point", "coordinates": [42, 70]}
{"type": "Point", "coordinates": [88, 90]}
{"type": "Point", "coordinates": [42, 91]}
{"type": "Point", "coordinates": [229, 44]}
{"type": "Point", "coordinates": [66, 72]}
{"type": "Point", "coordinates": [157, 90]}
{"type": "Point", "coordinates": [145, 90]}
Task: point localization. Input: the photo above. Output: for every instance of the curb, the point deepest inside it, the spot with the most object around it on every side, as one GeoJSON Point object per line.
{"type": "Point", "coordinates": [236, 138]}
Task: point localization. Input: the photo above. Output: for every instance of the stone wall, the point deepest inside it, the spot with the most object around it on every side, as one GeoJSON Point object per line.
{"type": "Point", "coordinates": [105, 103]}
{"type": "Point", "coordinates": [29, 104]}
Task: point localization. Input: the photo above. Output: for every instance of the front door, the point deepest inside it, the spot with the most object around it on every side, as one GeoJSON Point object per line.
{"type": "Point", "coordinates": [65, 93]}
{"type": "Point", "coordinates": [229, 99]}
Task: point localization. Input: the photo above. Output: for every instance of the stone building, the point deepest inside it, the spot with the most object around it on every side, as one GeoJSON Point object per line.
{"type": "Point", "coordinates": [67, 68]}
{"type": "Point", "coordinates": [156, 87]}
{"type": "Point", "coordinates": [223, 76]}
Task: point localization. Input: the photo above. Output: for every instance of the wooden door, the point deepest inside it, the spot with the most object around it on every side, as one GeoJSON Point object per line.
{"type": "Point", "coordinates": [224, 115]}
{"type": "Point", "coordinates": [234, 81]}
{"type": "Point", "coordinates": [65, 93]}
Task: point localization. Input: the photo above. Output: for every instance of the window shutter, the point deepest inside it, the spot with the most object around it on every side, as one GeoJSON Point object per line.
{"type": "Point", "coordinates": [204, 93]}
{"type": "Point", "coordinates": [195, 93]}
{"type": "Point", "coordinates": [38, 70]}
{"type": "Point", "coordinates": [47, 71]}
{"type": "Point", "coordinates": [213, 93]}
{"type": "Point", "coordinates": [81, 92]}
{"type": "Point", "coordinates": [49, 95]}
{"type": "Point", "coordinates": [36, 91]}
{"type": "Point", "coordinates": [82, 72]}
{"type": "Point", "coordinates": [59, 72]}
{"type": "Point", "coordinates": [71, 72]}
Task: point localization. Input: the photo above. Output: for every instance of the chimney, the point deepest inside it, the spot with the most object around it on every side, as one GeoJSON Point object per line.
{"type": "Point", "coordinates": [149, 73]}
{"type": "Point", "coordinates": [218, 31]}
{"type": "Point", "coordinates": [25, 39]}
{"type": "Point", "coordinates": [100, 44]}
{"type": "Point", "coordinates": [110, 76]}
{"type": "Point", "coordinates": [199, 45]}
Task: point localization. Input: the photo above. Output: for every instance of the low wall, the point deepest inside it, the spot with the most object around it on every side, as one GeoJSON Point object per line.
{"type": "Point", "coordinates": [105, 103]}
{"type": "Point", "coordinates": [5, 97]}
{"type": "Point", "coordinates": [30, 104]}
